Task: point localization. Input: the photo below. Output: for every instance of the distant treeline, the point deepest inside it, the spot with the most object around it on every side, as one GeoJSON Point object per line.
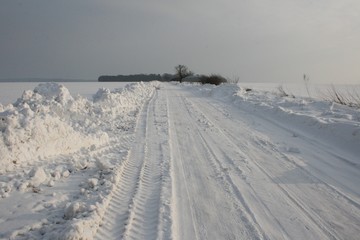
{"type": "Point", "coordinates": [182, 74]}
{"type": "Point", "coordinates": [131, 78]}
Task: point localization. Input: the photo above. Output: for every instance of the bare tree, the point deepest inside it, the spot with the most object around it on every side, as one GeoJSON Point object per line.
{"type": "Point", "coordinates": [182, 72]}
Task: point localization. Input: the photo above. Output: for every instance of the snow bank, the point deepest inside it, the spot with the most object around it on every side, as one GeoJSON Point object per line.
{"type": "Point", "coordinates": [49, 121]}
{"type": "Point", "coordinates": [40, 124]}
{"type": "Point", "coordinates": [51, 141]}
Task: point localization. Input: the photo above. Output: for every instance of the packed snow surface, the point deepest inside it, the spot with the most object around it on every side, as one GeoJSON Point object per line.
{"type": "Point", "coordinates": [178, 161]}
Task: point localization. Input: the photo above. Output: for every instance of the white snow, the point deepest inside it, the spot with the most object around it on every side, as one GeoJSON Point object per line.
{"type": "Point", "coordinates": [37, 176]}
{"type": "Point", "coordinates": [177, 161]}
{"type": "Point", "coordinates": [50, 142]}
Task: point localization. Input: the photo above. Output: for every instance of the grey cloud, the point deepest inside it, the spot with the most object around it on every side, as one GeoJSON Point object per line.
{"type": "Point", "coordinates": [257, 40]}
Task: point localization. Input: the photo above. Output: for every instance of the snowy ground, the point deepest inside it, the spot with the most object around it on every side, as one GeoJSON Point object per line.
{"type": "Point", "coordinates": [168, 161]}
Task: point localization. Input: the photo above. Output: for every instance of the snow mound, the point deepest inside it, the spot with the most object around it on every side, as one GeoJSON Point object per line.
{"type": "Point", "coordinates": [37, 176]}
{"type": "Point", "coordinates": [52, 148]}
{"type": "Point", "coordinates": [54, 92]}
{"type": "Point", "coordinates": [48, 121]}
{"type": "Point", "coordinates": [73, 209]}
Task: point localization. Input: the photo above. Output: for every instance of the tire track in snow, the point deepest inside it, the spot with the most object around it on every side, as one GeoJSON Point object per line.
{"type": "Point", "coordinates": [281, 155]}
{"type": "Point", "coordinates": [316, 219]}
{"type": "Point", "coordinates": [118, 211]}
{"type": "Point", "coordinates": [176, 159]}
{"type": "Point", "coordinates": [134, 211]}
{"type": "Point", "coordinates": [145, 220]}
{"type": "Point", "coordinates": [246, 224]}
{"type": "Point", "coordinates": [215, 154]}
{"type": "Point", "coordinates": [246, 214]}
{"type": "Point", "coordinates": [312, 142]}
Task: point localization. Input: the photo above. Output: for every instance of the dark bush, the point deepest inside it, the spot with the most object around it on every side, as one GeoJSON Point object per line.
{"type": "Point", "coordinates": [212, 79]}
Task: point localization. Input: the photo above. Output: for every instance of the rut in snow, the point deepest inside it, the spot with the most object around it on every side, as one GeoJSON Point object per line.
{"type": "Point", "coordinates": [138, 209]}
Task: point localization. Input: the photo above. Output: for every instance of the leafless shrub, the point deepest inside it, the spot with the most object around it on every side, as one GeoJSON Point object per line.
{"type": "Point", "coordinates": [234, 80]}
{"type": "Point", "coordinates": [351, 99]}
{"type": "Point", "coordinates": [283, 93]}
{"type": "Point", "coordinates": [355, 99]}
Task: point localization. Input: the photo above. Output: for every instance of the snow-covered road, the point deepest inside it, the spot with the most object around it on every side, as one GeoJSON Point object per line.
{"type": "Point", "coordinates": [203, 169]}
{"type": "Point", "coordinates": [171, 161]}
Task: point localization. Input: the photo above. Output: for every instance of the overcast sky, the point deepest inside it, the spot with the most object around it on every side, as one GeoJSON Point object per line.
{"type": "Point", "coordinates": [255, 40]}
